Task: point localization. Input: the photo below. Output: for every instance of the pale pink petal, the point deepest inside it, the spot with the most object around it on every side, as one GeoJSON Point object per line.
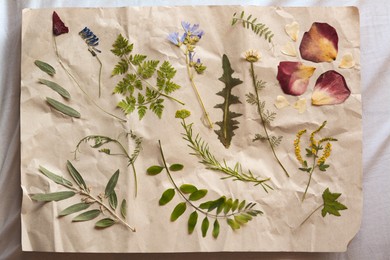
{"type": "Point", "coordinates": [294, 77]}
{"type": "Point", "coordinates": [289, 49]}
{"type": "Point", "coordinates": [292, 30]}
{"type": "Point", "coordinates": [330, 89]}
{"type": "Point", "coordinates": [347, 61]}
{"type": "Point", "coordinates": [281, 102]}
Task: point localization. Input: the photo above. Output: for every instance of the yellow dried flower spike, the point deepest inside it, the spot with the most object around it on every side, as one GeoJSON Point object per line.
{"type": "Point", "coordinates": [297, 146]}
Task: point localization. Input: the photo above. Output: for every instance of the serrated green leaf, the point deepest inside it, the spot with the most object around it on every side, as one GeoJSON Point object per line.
{"type": "Point", "coordinates": [197, 195]}
{"type": "Point", "coordinates": [54, 86]}
{"type": "Point", "coordinates": [141, 111]}
{"type": "Point", "coordinates": [67, 110]}
{"type": "Point", "coordinates": [331, 205]}
{"type": "Point", "coordinates": [216, 229]}
{"type": "Point", "coordinates": [88, 215]}
{"type": "Point", "coordinates": [178, 211]}
{"type": "Point", "coordinates": [53, 196]}
{"type": "Point", "coordinates": [192, 220]}
{"type": "Point", "coordinates": [113, 200]}
{"type": "Point", "coordinates": [54, 177]}
{"type": "Point", "coordinates": [166, 197]}
{"type": "Point", "coordinates": [124, 208]}
{"type": "Point", "coordinates": [176, 167]}
{"type": "Point", "coordinates": [188, 188]}
{"type": "Point", "coordinates": [74, 208]}
{"type": "Point", "coordinates": [154, 170]}
{"type": "Point", "coordinates": [111, 184]}
{"type": "Point", "coordinates": [76, 176]}
{"type": "Point", "coordinates": [233, 224]}
{"type": "Point", "coordinates": [104, 223]}
{"type": "Point", "coordinates": [205, 226]}
{"type": "Point", "coordinates": [45, 67]}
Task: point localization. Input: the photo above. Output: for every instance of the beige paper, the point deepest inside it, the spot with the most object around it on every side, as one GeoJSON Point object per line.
{"type": "Point", "coordinates": [49, 138]}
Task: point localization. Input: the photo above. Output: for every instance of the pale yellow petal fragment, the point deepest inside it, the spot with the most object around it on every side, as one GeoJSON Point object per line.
{"type": "Point", "coordinates": [289, 49]}
{"type": "Point", "coordinates": [281, 102]}
{"type": "Point", "coordinates": [347, 61]}
{"type": "Point", "coordinates": [300, 105]}
{"type": "Point", "coordinates": [292, 30]}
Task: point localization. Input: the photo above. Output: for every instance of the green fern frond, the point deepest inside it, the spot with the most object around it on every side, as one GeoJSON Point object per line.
{"type": "Point", "coordinates": [147, 68]}
{"type": "Point", "coordinates": [259, 29]}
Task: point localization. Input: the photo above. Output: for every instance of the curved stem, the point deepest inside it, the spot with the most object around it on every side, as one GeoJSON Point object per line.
{"type": "Point", "coordinates": [100, 75]}
{"type": "Point", "coordinates": [260, 112]}
{"type": "Point", "coordinates": [310, 175]}
{"type": "Point", "coordinates": [311, 214]}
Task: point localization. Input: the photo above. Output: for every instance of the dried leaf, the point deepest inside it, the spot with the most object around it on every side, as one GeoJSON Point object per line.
{"type": "Point", "coordinates": [74, 208]}
{"type": "Point", "coordinates": [216, 229]}
{"type": "Point", "coordinates": [176, 167]}
{"type": "Point", "coordinates": [111, 184]}
{"type": "Point", "coordinates": [57, 88]}
{"type": "Point", "coordinates": [76, 176]}
{"type": "Point", "coordinates": [331, 205]}
{"type": "Point", "coordinates": [88, 215]}
{"type": "Point", "coordinates": [233, 224]}
{"type": "Point", "coordinates": [205, 226]}
{"type": "Point", "coordinates": [178, 211]}
{"type": "Point", "coordinates": [154, 170]}
{"type": "Point", "coordinates": [192, 220]}
{"type": "Point", "coordinates": [63, 108]}
{"type": "Point", "coordinates": [188, 188]}
{"type": "Point", "coordinates": [45, 67]}
{"type": "Point", "coordinates": [54, 196]}
{"type": "Point", "coordinates": [104, 223]}
{"type": "Point", "coordinates": [124, 208]}
{"type": "Point", "coordinates": [197, 195]}
{"type": "Point", "coordinates": [113, 200]}
{"type": "Point", "coordinates": [54, 177]}
{"type": "Point", "coordinates": [166, 197]}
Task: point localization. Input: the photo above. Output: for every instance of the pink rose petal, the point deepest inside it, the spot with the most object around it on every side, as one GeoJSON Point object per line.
{"type": "Point", "coordinates": [294, 77]}
{"type": "Point", "coordinates": [330, 89]}
{"type": "Point", "coordinates": [58, 25]}
{"type": "Point", "coordinates": [320, 43]}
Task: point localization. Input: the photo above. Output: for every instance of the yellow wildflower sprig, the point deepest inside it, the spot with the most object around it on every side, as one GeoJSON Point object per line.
{"type": "Point", "coordinates": [297, 147]}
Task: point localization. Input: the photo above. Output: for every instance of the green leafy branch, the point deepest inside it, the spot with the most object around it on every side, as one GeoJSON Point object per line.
{"type": "Point", "coordinates": [249, 22]}
{"type": "Point", "coordinates": [201, 149]}
{"type": "Point", "coordinates": [106, 201]}
{"type": "Point", "coordinates": [100, 140]}
{"type": "Point", "coordinates": [329, 206]}
{"type": "Point", "coordinates": [138, 92]}
{"type": "Point", "coordinates": [235, 212]}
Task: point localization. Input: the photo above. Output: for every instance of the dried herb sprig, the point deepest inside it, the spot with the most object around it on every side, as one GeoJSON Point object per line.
{"type": "Point", "coordinates": [265, 115]}
{"type": "Point", "coordinates": [236, 213]}
{"type": "Point", "coordinates": [201, 149]}
{"type": "Point", "coordinates": [259, 29]}
{"type": "Point", "coordinates": [80, 188]}
{"type": "Point", "coordinates": [100, 140]}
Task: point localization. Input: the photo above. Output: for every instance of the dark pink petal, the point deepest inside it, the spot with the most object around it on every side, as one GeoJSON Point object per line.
{"type": "Point", "coordinates": [294, 77]}
{"type": "Point", "coordinates": [320, 43]}
{"type": "Point", "coordinates": [330, 89]}
{"type": "Point", "coordinates": [58, 25]}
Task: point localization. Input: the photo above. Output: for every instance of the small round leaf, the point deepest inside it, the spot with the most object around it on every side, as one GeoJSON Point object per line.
{"type": "Point", "coordinates": [176, 167]}
{"type": "Point", "coordinates": [188, 188]}
{"type": "Point", "coordinates": [154, 170]}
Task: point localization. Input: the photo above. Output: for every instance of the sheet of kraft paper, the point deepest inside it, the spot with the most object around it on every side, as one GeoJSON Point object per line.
{"type": "Point", "coordinates": [240, 173]}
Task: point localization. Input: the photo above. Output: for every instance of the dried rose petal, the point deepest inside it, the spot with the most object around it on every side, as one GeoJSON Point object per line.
{"type": "Point", "coordinates": [320, 43]}
{"type": "Point", "coordinates": [294, 77]}
{"type": "Point", "coordinates": [330, 89]}
{"type": "Point", "coordinates": [292, 30]}
{"type": "Point", "coordinates": [347, 61]}
{"type": "Point", "coordinates": [58, 25]}
{"type": "Point", "coordinates": [300, 105]}
{"type": "Point", "coordinates": [281, 102]}
{"type": "Point", "coordinates": [289, 49]}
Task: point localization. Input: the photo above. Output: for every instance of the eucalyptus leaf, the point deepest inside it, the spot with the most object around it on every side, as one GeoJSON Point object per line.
{"type": "Point", "coordinates": [113, 200]}
{"type": "Point", "coordinates": [88, 215]}
{"type": "Point", "coordinates": [74, 208]}
{"type": "Point", "coordinates": [124, 208]}
{"type": "Point", "coordinates": [192, 220]}
{"type": "Point", "coordinates": [45, 67]}
{"type": "Point", "coordinates": [216, 229]}
{"type": "Point", "coordinates": [188, 188]}
{"type": "Point", "coordinates": [205, 226]}
{"type": "Point", "coordinates": [166, 197]}
{"type": "Point", "coordinates": [112, 183]}
{"type": "Point", "coordinates": [176, 167]}
{"type": "Point", "coordinates": [154, 170]}
{"type": "Point", "coordinates": [104, 223]}
{"type": "Point", "coordinates": [197, 195]}
{"type": "Point", "coordinates": [57, 88]}
{"type": "Point", "coordinates": [178, 211]}
{"type": "Point", "coordinates": [54, 177]}
{"type": "Point", "coordinates": [54, 196]}
{"type": "Point", "coordinates": [76, 176]}
{"type": "Point", "coordinates": [63, 108]}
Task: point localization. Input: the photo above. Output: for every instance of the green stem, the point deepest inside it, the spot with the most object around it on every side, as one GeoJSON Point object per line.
{"type": "Point", "coordinates": [100, 75]}
{"type": "Point", "coordinates": [311, 214]}
{"type": "Point", "coordinates": [310, 175]}
{"type": "Point", "coordinates": [260, 112]}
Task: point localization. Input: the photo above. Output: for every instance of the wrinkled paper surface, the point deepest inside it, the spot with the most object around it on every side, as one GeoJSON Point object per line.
{"type": "Point", "coordinates": [49, 138]}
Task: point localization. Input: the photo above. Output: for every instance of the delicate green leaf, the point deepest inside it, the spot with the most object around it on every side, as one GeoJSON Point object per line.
{"type": "Point", "coordinates": [88, 215]}
{"type": "Point", "coordinates": [111, 184]}
{"type": "Point", "coordinates": [166, 197]}
{"type": "Point", "coordinates": [54, 196]}
{"type": "Point", "coordinates": [205, 226]}
{"type": "Point", "coordinates": [76, 176]}
{"type": "Point", "coordinates": [176, 167]}
{"type": "Point", "coordinates": [54, 86]}
{"type": "Point", "coordinates": [104, 223]}
{"type": "Point", "coordinates": [154, 170]}
{"type": "Point", "coordinates": [235, 205]}
{"type": "Point", "coordinates": [54, 177]}
{"type": "Point", "coordinates": [63, 108]}
{"type": "Point", "coordinates": [242, 205]}
{"type": "Point", "coordinates": [192, 220]}
{"type": "Point", "coordinates": [188, 188]}
{"type": "Point", "coordinates": [206, 205]}
{"type": "Point", "coordinates": [178, 211]}
{"type": "Point", "coordinates": [113, 200]}
{"type": "Point", "coordinates": [233, 224]}
{"type": "Point", "coordinates": [217, 204]}
{"type": "Point", "coordinates": [197, 195]}
{"type": "Point", "coordinates": [241, 219]}
{"type": "Point", "coordinates": [216, 229]}
{"type": "Point", "coordinates": [331, 205]}
{"type": "Point", "coordinates": [228, 206]}
{"type": "Point", "coordinates": [147, 68]}
{"type": "Point", "coordinates": [124, 208]}
{"type": "Point", "coordinates": [74, 208]}
{"type": "Point", "coordinates": [45, 67]}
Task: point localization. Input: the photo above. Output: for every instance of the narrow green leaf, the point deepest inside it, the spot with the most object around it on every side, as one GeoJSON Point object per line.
{"type": "Point", "coordinates": [192, 220]}
{"type": "Point", "coordinates": [188, 188]}
{"type": "Point", "coordinates": [176, 167]}
{"type": "Point", "coordinates": [74, 208]}
{"type": "Point", "coordinates": [124, 208]}
{"type": "Point", "coordinates": [233, 224]}
{"type": "Point", "coordinates": [63, 108]}
{"type": "Point", "coordinates": [242, 205]}
{"type": "Point", "coordinates": [54, 177]}
{"type": "Point", "coordinates": [235, 205]}
{"type": "Point", "coordinates": [205, 205]}
{"type": "Point", "coordinates": [197, 195]}
{"type": "Point", "coordinates": [241, 219]}
{"type": "Point", "coordinates": [113, 200]}
{"type": "Point", "coordinates": [112, 183]}
{"type": "Point", "coordinates": [54, 196]}
{"type": "Point", "coordinates": [228, 206]}
{"type": "Point", "coordinates": [166, 197]}
{"type": "Point", "coordinates": [45, 67]}
{"type": "Point", "coordinates": [154, 170]}
{"type": "Point", "coordinates": [88, 215]}
{"type": "Point", "coordinates": [76, 176]}
{"type": "Point", "coordinates": [178, 211]}
{"type": "Point", "coordinates": [205, 226]}
{"type": "Point", "coordinates": [104, 223]}
{"type": "Point", "coordinates": [54, 86]}
{"type": "Point", "coordinates": [216, 229]}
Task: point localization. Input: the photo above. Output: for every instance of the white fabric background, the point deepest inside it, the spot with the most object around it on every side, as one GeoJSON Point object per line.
{"type": "Point", "coordinates": [373, 240]}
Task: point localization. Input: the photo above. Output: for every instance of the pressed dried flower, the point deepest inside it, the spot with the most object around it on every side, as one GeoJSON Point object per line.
{"type": "Point", "coordinates": [347, 61]}
{"type": "Point", "coordinates": [281, 102]}
{"type": "Point", "coordinates": [320, 43]}
{"type": "Point", "coordinates": [292, 30]}
{"type": "Point", "coordinates": [297, 146]}
{"type": "Point", "coordinates": [300, 105]}
{"type": "Point", "coordinates": [289, 49]}
{"type": "Point", "coordinates": [294, 77]}
{"type": "Point", "coordinates": [252, 55]}
{"type": "Point", "coordinates": [326, 154]}
{"type": "Point", "coordinates": [58, 25]}
{"type": "Point", "coordinates": [330, 89]}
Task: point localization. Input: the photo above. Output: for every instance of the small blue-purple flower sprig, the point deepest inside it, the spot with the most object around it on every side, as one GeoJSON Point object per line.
{"type": "Point", "coordinates": [90, 39]}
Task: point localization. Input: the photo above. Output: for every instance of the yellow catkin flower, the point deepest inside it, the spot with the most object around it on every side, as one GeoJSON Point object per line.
{"type": "Point", "coordinates": [297, 146]}
{"type": "Point", "coordinates": [326, 154]}
{"type": "Point", "coordinates": [313, 142]}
